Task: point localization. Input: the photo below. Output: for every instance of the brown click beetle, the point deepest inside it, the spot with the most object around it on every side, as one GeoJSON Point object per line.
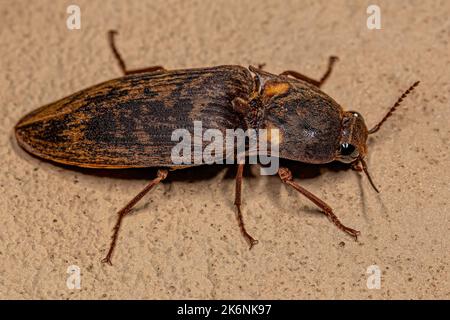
{"type": "Point", "coordinates": [127, 123]}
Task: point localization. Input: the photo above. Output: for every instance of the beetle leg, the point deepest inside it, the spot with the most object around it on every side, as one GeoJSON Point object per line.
{"type": "Point", "coordinates": [121, 62]}
{"type": "Point", "coordinates": [356, 167]}
{"type": "Point", "coordinates": [286, 176]}
{"type": "Point", "coordinates": [161, 175]}
{"type": "Point", "coordinates": [237, 201]}
{"type": "Point", "coordinates": [331, 61]}
{"type": "Point", "coordinates": [261, 65]}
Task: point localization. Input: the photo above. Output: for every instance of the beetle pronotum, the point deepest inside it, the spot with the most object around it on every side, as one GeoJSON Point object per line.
{"type": "Point", "coordinates": [127, 123]}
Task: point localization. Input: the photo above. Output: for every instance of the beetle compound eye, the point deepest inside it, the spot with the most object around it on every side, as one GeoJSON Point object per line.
{"type": "Point", "coordinates": [348, 149]}
{"type": "Point", "coordinates": [357, 114]}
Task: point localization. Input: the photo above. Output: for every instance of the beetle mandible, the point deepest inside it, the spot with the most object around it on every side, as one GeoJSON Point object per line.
{"type": "Point", "coordinates": [127, 123]}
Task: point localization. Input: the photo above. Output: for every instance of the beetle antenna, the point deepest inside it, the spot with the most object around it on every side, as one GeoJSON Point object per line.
{"type": "Point", "coordinates": [366, 171]}
{"type": "Point", "coordinates": [399, 101]}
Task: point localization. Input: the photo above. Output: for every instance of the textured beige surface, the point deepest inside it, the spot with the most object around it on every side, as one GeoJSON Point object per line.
{"type": "Point", "coordinates": [183, 241]}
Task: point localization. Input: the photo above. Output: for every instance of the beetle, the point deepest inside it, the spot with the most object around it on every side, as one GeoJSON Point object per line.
{"type": "Point", "coordinates": [127, 123]}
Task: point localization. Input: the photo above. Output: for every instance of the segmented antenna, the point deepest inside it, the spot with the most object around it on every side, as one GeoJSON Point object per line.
{"type": "Point", "coordinates": [391, 111]}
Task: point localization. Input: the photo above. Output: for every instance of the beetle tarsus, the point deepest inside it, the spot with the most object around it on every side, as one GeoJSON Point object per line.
{"type": "Point", "coordinates": [331, 61]}
{"type": "Point", "coordinates": [107, 260]}
{"type": "Point", "coordinates": [261, 66]}
{"type": "Point", "coordinates": [286, 176]}
{"type": "Point", "coordinates": [237, 202]}
{"type": "Point", "coordinates": [121, 62]}
{"type": "Point", "coordinates": [250, 240]}
{"type": "Point", "coordinates": [318, 83]}
{"type": "Point", "coordinates": [161, 175]}
{"type": "Point", "coordinates": [352, 232]}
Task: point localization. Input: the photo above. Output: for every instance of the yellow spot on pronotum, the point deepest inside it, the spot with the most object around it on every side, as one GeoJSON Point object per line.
{"type": "Point", "coordinates": [276, 89]}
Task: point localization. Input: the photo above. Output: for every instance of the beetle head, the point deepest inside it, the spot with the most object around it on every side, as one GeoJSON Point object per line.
{"type": "Point", "coordinates": [354, 133]}
{"type": "Point", "coordinates": [353, 143]}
